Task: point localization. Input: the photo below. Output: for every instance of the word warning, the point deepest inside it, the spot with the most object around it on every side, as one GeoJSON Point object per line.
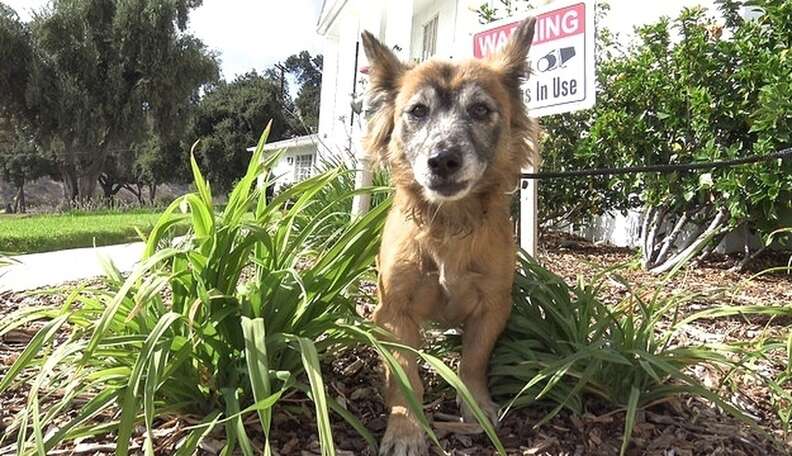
{"type": "Point", "coordinates": [561, 56]}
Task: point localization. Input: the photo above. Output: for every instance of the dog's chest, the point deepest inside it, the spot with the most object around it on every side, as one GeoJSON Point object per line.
{"type": "Point", "coordinates": [459, 286]}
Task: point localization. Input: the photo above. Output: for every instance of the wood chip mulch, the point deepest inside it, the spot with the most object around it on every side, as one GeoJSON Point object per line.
{"type": "Point", "coordinates": [682, 426]}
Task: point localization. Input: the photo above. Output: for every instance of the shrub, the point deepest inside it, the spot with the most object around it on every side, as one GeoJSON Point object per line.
{"type": "Point", "coordinates": [718, 92]}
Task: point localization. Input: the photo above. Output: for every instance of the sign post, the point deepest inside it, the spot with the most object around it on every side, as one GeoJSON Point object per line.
{"type": "Point", "coordinates": [562, 76]}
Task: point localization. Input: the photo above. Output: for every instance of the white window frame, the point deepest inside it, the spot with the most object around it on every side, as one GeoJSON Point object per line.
{"type": "Point", "coordinates": [303, 166]}
{"type": "Point", "coordinates": [429, 47]}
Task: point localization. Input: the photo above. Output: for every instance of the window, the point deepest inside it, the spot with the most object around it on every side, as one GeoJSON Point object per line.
{"type": "Point", "coordinates": [303, 165]}
{"type": "Point", "coordinates": [429, 39]}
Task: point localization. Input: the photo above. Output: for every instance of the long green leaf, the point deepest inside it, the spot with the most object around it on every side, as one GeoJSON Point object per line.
{"type": "Point", "coordinates": [254, 331]}
{"type": "Point", "coordinates": [629, 419]}
{"type": "Point", "coordinates": [42, 337]}
{"type": "Point", "coordinates": [310, 359]}
{"type": "Point", "coordinates": [129, 404]}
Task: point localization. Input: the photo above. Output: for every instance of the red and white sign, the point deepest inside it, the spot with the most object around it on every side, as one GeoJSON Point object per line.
{"type": "Point", "coordinates": [561, 57]}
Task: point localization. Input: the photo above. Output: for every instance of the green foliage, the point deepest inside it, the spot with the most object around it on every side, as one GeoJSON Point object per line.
{"type": "Point", "coordinates": [333, 203]}
{"type": "Point", "coordinates": [90, 75]}
{"type": "Point", "coordinates": [307, 69]}
{"type": "Point", "coordinates": [718, 92]}
{"type": "Point", "coordinates": [21, 161]}
{"type": "Point", "coordinates": [697, 100]}
{"type": "Point", "coordinates": [16, 55]}
{"type": "Point", "coordinates": [220, 324]}
{"type": "Point", "coordinates": [489, 12]}
{"type": "Point", "coordinates": [564, 345]}
{"type": "Point", "coordinates": [227, 122]}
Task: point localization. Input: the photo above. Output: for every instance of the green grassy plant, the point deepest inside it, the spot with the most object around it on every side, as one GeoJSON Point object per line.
{"type": "Point", "coordinates": [223, 323]}
{"type": "Point", "coordinates": [334, 201]}
{"type": "Point", "coordinates": [564, 344]}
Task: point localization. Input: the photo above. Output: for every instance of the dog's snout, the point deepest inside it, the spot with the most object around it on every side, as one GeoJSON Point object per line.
{"type": "Point", "coordinates": [445, 162]}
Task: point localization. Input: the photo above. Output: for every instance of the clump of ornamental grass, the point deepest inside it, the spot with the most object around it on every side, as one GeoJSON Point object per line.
{"type": "Point", "coordinates": [220, 324]}
{"type": "Point", "coordinates": [564, 344]}
{"type": "Point", "coordinates": [334, 202]}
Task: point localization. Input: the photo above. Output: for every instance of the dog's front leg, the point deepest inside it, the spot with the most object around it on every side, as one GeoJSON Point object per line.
{"type": "Point", "coordinates": [403, 436]}
{"type": "Point", "coordinates": [481, 331]}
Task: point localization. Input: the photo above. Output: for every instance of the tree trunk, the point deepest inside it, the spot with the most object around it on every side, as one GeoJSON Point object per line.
{"type": "Point", "coordinates": [80, 179]}
{"type": "Point", "coordinates": [697, 243]}
{"type": "Point", "coordinates": [152, 188]}
{"type": "Point", "coordinates": [107, 188]}
{"type": "Point", "coordinates": [135, 190]}
{"type": "Point", "coordinates": [139, 193]}
{"type": "Point", "coordinates": [87, 186]}
{"type": "Point", "coordinates": [79, 187]}
{"type": "Point", "coordinates": [20, 206]}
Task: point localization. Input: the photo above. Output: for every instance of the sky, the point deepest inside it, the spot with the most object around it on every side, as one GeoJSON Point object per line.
{"type": "Point", "coordinates": [255, 34]}
{"type": "Point", "coordinates": [249, 34]}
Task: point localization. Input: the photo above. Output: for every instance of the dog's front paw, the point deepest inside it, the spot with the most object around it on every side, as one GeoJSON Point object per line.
{"type": "Point", "coordinates": [403, 437]}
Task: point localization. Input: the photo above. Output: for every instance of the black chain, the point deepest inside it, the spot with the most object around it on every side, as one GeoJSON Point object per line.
{"type": "Point", "coordinates": [785, 153]}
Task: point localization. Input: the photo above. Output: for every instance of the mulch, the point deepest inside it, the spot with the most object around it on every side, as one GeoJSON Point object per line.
{"type": "Point", "coordinates": [682, 426]}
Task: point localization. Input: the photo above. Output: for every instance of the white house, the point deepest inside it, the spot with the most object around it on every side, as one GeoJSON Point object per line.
{"type": "Point", "coordinates": [416, 30]}
{"type": "Point", "coordinates": [298, 160]}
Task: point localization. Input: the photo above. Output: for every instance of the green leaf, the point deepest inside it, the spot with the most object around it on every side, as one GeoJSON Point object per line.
{"type": "Point", "coordinates": [190, 444]}
{"type": "Point", "coordinates": [310, 359]}
{"type": "Point", "coordinates": [629, 419]}
{"type": "Point", "coordinates": [129, 400]}
{"type": "Point", "coordinates": [254, 331]}
{"type": "Point", "coordinates": [25, 359]}
{"type": "Point", "coordinates": [235, 429]}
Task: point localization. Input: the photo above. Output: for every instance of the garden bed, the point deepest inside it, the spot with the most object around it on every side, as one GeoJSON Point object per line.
{"type": "Point", "coordinates": [686, 425]}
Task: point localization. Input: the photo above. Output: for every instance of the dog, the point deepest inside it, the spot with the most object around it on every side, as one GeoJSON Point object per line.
{"type": "Point", "coordinates": [455, 137]}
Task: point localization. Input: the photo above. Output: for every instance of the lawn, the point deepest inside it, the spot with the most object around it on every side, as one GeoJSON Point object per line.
{"type": "Point", "coordinates": [46, 232]}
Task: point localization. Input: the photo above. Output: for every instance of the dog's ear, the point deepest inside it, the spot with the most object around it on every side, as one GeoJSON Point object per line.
{"type": "Point", "coordinates": [385, 69]}
{"type": "Point", "coordinates": [385, 72]}
{"type": "Point", "coordinates": [512, 58]}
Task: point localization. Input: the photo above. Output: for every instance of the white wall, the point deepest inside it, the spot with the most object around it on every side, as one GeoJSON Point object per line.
{"type": "Point", "coordinates": [625, 231]}
{"type": "Point", "coordinates": [395, 23]}
{"type": "Point", "coordinates": [446, 25]}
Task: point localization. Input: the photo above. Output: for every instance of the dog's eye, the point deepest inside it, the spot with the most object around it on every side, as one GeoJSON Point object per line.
{"type": "Point", "coordinates": [479, 111]}
{"type": "Point", "coordinates": [419, 111]}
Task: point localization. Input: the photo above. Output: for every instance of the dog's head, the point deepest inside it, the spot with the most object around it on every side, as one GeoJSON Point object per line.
{"type": "Point", "coordinates": [444, 127]}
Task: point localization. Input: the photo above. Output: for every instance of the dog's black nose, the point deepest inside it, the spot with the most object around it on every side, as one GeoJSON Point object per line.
{"type": "Point", "coordinates": [445, 162]}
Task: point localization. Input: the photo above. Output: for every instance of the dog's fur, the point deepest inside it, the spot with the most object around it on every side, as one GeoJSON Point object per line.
{"type": "Point", "coordinates": [448, 252]}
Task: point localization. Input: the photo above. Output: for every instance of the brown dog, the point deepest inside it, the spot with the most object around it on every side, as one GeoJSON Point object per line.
{"type": "Point", "coordinates": [455, 137]}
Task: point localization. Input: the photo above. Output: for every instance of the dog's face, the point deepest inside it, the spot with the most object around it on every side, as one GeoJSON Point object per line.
{"type": "Point", "coordinates": [441, 125]}
{"type": "Point", "coordinates": [449, 126]}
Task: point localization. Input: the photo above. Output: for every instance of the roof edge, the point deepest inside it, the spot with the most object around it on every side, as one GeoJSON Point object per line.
{"type": "Point", "coordinates": [328, 15]}
{"type": "Point", "coordinates": [289, 143]}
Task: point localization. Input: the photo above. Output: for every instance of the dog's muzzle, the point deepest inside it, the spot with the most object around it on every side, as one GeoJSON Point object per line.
{"type": "Point", "coordinates": [444, 169]}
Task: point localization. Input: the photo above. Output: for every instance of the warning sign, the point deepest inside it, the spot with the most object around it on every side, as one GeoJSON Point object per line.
{"type": "Point", "coordinates": [561, 57]}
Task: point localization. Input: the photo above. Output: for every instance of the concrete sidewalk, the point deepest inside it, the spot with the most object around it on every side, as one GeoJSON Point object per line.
{"type": "Point", "coordinates": [53, 268]}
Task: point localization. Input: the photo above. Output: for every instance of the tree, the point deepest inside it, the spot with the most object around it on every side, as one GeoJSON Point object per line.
{"type": "Point", "coordinates": [230, 118]}
{"type": "Point", "coordinates": [21, 161]}
{"type": "Point", "coordinates": [90, 74]}
{"type": "Point", "coordinates": [307, 70]}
